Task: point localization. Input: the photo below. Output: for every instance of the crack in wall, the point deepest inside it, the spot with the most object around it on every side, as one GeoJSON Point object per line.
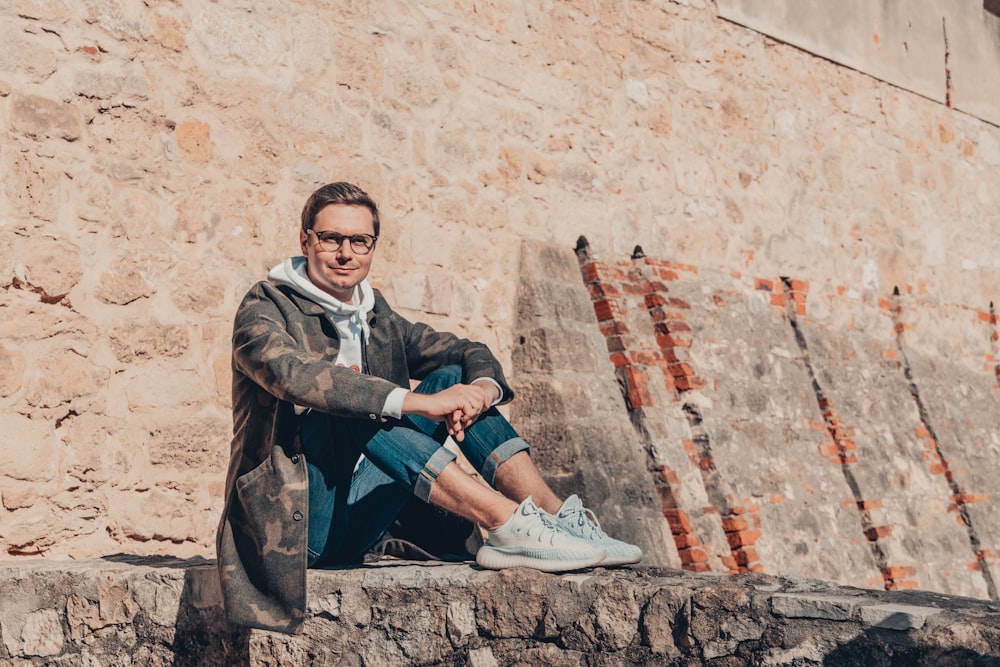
{"type": "Point", "coordinates": [894, 577]}
{"type": "Point", "coordinates": [940, 464]}
{"type": "Point", "coordinates": [995, 344]}
{"type": "Point", "coordinates": [947, 67]}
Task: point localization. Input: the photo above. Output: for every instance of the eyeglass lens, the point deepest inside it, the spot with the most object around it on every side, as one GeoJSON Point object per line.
{"type": "Point", "coordinates": [332, 241]}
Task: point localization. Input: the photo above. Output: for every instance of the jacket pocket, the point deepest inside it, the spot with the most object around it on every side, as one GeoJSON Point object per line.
{"type": "Point", "coordinates": [274, 504]}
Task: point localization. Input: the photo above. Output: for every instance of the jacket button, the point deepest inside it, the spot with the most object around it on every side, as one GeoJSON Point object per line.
{"type": "Point", "coordinates": [297, 515]}
{"type": "Point", "coordinates": [295, 458]}
{"type": "Point", "coordinates": [372, 417]}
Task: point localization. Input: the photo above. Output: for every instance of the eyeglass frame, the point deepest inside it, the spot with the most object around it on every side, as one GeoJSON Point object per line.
{"type": "Point", "coordinates": [343, 237]}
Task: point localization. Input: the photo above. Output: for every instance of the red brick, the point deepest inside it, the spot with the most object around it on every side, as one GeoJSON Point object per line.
{"type": "Point", "coordinates": [777, 299]}
{"type": "Point", "coordinates": [730, 524]}
{"type": "Point", "coordinates": [619, 359]}
{"type": "Point", "coordinates": [829, 450]}
{"type": "Point", "coordinates": [967, 498]}
{"type": "Point", "coordinates": [654, 300]}
{"type": "Point", "coordinates": [687, 383]}
{"type": "Point", "coordinates": [613, 328]}
{"type": "Point", "coordinates": [679, 303]}
{"type": "Point", "coordinates": [668, 502]}
{"type": "Point", "coordinates": [604, 310]}
{"type": "Point", "coordinates": [898, 572]}
{"type": "Point", "coordinates": [798, 285]}
{"type": "Point", "coordinates": [638, 391]}
{"type": "Point", "coordinates": [692, 556]}
{"type": "Point", "coordinates": [668, 476]}
{"type": "Point", "coordinates": [677, 326]}
{"type": "Point", "coordinates": [743, 538]}
{"type": "Point", "coordinates": [765, 285]}
{"type": "Point", "coordinates": [680, 370]}
{"type": "Point", "coordinates": [615, 344]}
{"type": "Point", "coordinates": [876, 533]}
{"type": "Point", "coordinates": [686, 541]}
{"type": "Point", "coordinates": [679, 521]}
{"type": "Point", "coordinates": [746, 556]}
{"type": "Point", "coordinates": [667, 274]}
{"type": "Point", "coordinates": [599, 290]}
{"type": "Point", "coordinates": [590, 272]}
{"type": "Point", "coordinates": [646, 358]}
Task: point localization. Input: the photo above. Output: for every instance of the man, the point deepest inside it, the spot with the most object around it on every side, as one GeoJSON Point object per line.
{"type": "Point", "coordinates": [330, 443]}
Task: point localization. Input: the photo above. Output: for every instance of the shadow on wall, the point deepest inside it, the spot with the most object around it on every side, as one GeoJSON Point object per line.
{"type": "Point", "coordinates": [881, 647]}
{"type": "Point", "coordinates": [200, 635]}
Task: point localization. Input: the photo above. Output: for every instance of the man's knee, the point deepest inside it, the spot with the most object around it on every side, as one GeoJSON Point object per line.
{"type": "Point", "coordinates": [441, 378]}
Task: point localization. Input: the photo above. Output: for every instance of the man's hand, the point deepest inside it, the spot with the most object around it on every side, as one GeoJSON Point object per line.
{"type": "Point", "coordinates": [458, 406]}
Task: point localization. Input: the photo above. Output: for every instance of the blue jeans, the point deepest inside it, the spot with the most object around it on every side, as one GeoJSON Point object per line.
{"type": "Point", "coordinates": [352, 504]}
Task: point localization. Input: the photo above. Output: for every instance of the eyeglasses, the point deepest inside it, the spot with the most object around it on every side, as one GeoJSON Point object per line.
{"type": "Point", "coordinates": [361, 244]}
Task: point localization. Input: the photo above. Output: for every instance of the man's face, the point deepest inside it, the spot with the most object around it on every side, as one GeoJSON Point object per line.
{"type": "Point", "coordinates": [339, 271]}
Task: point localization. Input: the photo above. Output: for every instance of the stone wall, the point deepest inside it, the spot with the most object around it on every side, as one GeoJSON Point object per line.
{"type": "Point", "coordinates": [161, 611]}
{"type": "Point", "coordinates": [156, 156]}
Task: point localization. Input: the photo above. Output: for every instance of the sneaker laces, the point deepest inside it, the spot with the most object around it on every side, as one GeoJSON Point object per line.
{"type": "Point", "coordinates": [545, 520]}
{"type": "Point", "coordinates": [586, 519]}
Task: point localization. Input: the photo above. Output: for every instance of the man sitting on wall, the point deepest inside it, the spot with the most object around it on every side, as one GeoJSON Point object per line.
{"type": "Point", "coordinates": [330, 443]}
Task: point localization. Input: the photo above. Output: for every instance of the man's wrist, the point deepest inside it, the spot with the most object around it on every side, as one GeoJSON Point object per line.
{"type": "Point", "coordinates": [492, 388]}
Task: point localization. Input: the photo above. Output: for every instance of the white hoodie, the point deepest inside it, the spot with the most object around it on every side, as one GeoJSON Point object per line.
{"type": "Point", "coordinates": [349, 319]}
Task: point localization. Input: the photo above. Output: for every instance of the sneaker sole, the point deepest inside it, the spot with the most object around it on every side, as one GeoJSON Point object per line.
{"type": "Point", "coordinates": [492, 559]}
{"type": "Point", "coordinates": [612, 561]}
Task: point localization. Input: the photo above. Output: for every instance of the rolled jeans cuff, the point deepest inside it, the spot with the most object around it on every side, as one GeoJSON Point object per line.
{"type": "Point", "coordinates": [501, 454]}
{"type": "Point", "coordinates": [435, 464]}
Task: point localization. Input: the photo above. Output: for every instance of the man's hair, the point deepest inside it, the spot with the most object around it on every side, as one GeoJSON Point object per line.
{"type": "Point", "coordinates": [337, 193]}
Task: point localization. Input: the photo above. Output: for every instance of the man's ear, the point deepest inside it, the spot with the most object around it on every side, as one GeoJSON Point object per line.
{"type": "Point", "coordinates": [303, 237]}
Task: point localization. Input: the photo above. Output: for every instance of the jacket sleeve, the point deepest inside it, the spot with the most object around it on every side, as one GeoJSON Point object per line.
{"type": "Point", "coordinates": [427, 350]}
{"type": "Point", "coordinates": [274, 348]}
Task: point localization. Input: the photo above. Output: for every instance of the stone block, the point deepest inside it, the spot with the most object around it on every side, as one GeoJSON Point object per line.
{"type": "Point", "coordinates": [64, 377]}
{"type": "Point", "coordinates": [52, 268]}
{"type": "Point", "coordinates": [112, 85]}
{"type": "Point", "coordinates": [143, 340]}
{"type": "Point", "coordinates": [171, 389]}
{"type": "Point", "coordinates": [40, 117]}
{"type": "Point", "coordinates": [128, 280]}
{"type": "Point", "coordinates": [807, 606]}
{"type": "Point", "coordinates": [45, 10]}
{"type": "Point", "coordinates": [22, 435]}
{"type": "Point", "coordinates": [249, 38]}
{"type": "Point", "coordinates": [190, 443]}
{"type": "Point", "coordinates": [11, 369]}
{"type": "Point", "coordinates": [897, 616]}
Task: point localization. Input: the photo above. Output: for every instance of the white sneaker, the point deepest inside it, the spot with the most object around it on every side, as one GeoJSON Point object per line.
{"type": "Point", "coordinates": [532, 538]}
{"type": "Point", "coordinates": [579, 521]}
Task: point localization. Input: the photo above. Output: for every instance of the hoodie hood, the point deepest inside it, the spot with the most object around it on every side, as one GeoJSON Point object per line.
{"type": "Point", "coordinates": [350, 319]}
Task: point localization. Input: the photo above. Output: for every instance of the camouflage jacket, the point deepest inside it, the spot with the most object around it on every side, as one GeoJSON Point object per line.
{"type": "Point", "coordinates": [284, 349]}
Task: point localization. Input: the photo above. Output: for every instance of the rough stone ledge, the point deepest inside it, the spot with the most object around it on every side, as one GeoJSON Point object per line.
{"type": "Point", "coordinates": [123, 610]}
